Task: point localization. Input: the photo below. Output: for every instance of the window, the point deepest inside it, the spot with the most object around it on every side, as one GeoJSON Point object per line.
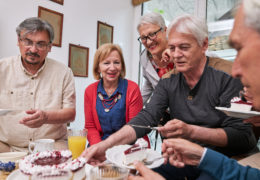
{"type": "Point", "coordinates": [218, 10]}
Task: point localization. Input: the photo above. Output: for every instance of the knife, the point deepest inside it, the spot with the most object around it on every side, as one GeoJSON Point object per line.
{"type": "Point", "coordinates": [146, 127]}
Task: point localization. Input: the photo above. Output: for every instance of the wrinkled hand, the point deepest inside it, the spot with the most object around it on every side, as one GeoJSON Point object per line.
{"type": "Point", "coordinates": [253, 120]}
{"type": "Point", "coordinates": [166, 56]}
{"type": "Point", "coordinates": [176, 128]}
{"type": "Point", "coordinates": [182, 152]}
{"type": "Point", "coordinates": [145, 173]}
{"type": "Point", "coordinates": [95, 154]}
{"type": "Point", "coordinates": [35, 118]}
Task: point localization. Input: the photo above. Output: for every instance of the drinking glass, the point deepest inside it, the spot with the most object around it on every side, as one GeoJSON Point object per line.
{"type": "Point", "coordinates": [108, 172]}
{"type": "Point", "coordinates": [77, 141]}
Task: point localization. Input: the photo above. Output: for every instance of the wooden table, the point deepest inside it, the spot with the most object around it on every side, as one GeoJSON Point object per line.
{"type": "Point", "coordinates": [3, 175]}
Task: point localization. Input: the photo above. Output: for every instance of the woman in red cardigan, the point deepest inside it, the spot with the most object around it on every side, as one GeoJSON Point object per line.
{"type": "Point", "coordinates": [112, 101]}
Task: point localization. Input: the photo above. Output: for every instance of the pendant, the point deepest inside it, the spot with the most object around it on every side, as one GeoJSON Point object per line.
{"type": "Point", "coordinates": [100, 96]}
{"type": "Point", "coordinates": [115, 100]}
{"type": "Point", "coordinates": [106, 110]}
{"type": "Point", "coordinates": [119, 96]}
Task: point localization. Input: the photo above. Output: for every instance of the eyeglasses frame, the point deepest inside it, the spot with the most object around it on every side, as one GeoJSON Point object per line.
{"type": "Point", "coordinates": [36, 44]}
{"type": "Point", "coordinates": [149, 36]}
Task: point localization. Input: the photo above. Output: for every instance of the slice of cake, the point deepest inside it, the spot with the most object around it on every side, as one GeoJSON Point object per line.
{"type": "Point", "coordinates": [240, 105]}
{"type": "Point", "coordinates": [52, 162]}
{"type": "Point", "coordinates": [137, 152]}
{"type": "Point", "coordinates": [54, 174]}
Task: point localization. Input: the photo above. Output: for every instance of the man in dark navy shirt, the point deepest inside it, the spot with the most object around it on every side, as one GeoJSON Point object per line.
{"type": "Point", "coordinates": [192, 96]}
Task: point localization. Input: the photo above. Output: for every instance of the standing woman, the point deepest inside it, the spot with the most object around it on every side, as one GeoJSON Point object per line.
{"type": "Point", "coordinates": [112, 101]}
{"type": "Point", "coordinates": [154, 59]}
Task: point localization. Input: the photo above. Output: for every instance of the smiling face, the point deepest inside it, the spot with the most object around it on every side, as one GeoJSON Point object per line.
{"type": "Point", "coordinates": [247, 63]}
{"type": "Point", "coordinates": [185, 51]}
{"type": "Point", "coordinates": [111, 68]}
{"type": "Point", "coordinates": [32, 54]}
{"type": "Point", "coordinates": [159, 43]}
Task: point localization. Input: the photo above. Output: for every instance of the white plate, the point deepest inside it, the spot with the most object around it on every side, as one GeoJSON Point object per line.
{"type": "Point", "coordinates": [115, 155]}
{"type": "Point", "coordinates": [17, 175]}
{"type": "Point", "coordinates": [12, 156]}
{"type": "Point", "coordinates": [88, 167]}
{"type": "Point", "coordinates": [238, 114]}
{"type": "Point", "coordinates": [4, 111]}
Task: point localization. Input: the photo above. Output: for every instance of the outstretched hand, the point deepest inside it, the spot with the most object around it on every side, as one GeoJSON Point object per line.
{"type": "Point", "coordinates": [94, 155]}
{"type": "Point", "coordinates": [145, 173]}
{"type": "Point", "coordinates": [181, 152]}
{"type": "Point", "coordinates": [176, 129]}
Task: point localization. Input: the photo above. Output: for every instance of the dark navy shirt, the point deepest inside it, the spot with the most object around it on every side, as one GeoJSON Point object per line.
{"type": "Point", "coordinates": [113, 120]}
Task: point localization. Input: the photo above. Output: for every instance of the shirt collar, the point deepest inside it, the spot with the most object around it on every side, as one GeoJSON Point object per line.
{"type": "Point", "coordinates": [27, 72]}
{"type": "Point", "coordinates": [118, 89]}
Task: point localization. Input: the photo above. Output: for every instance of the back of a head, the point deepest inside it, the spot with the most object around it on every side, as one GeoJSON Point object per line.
{"type": "Point", "coordinates": [35, 24]}
{"type": "Point", "coordinates": [189, 24]}
{"type": "Point", "coordinates": [151, 18]}
{"type": "Point", "coordinates": [252, 13]}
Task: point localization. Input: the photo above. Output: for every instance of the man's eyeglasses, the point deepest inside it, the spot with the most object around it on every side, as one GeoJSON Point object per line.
{"type": "Point", "coordinates": [39, 45]}
{"type": "Point", "coordinates": [151, 36]}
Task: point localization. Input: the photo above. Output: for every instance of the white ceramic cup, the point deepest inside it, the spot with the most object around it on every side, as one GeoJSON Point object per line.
{"type": "Point", "coordinates": [41, 145]}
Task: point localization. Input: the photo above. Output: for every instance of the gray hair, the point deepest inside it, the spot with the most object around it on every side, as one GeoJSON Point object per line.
{"type": "Point", "coordinates": [151, 18]}
{"type": "Point", "coordinates": [35, 24]}
{"type": "Point", "coordinates": [252, 13]}
{"type": "Point", "coordinates": [189, 24]}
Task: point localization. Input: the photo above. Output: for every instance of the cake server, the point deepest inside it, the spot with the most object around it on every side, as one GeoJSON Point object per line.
{"type": "Point", "coordinates": [146, 127]}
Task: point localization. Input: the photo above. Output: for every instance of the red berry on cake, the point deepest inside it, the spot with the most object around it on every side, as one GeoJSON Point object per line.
{"type": "Point", "coordinates": [240, 105]}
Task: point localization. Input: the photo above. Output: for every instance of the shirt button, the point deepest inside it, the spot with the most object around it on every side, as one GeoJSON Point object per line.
{"type": "Point", "coordinates": [11, 92]}
{"type": "Point", "coordinates": [30, 139]}
{"type": "Point", "coordinates": [31, 93]}
{"type": "Point", "coordinates": [32, 78]}
{"type": "Point", "coordinates": [190, 97]}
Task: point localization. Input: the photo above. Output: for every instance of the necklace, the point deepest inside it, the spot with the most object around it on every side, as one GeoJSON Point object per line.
{"type": "Point", "coordinates": [105, 102]}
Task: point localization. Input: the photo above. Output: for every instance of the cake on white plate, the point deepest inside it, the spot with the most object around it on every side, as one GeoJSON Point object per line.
{"type": "Point", "coordinates": [137, 152]}
{"type": "Point", "coordinates": [50, 162]}
{"type": "Point", "coordinates": [54, 174]}
{"type": "Point", "coordinates": [240, 105]}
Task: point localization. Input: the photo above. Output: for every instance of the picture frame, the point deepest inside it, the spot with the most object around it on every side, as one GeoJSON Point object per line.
{"type": "Point", "coordinates": [104, 33]}
{"type": "Point", "coordinates": [56, 20]}
{"type": "Point", "coordinates": [58, 1]}
{"type": "Point", "coordinates": [78, 60]}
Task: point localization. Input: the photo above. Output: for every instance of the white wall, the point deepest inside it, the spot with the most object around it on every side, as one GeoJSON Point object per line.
{"type": "Point", "coordinates": [79, 27]}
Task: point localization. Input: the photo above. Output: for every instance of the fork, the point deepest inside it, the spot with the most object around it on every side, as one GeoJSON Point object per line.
{"type": "Point", "coordinates": [149, 162]}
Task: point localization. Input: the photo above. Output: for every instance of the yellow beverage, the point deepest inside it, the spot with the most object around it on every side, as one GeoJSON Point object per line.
{"type": "Point", "coordinates": [76, 145]}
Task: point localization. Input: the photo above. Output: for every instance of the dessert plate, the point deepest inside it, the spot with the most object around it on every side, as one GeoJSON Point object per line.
{"type": "Point", "coordinates": [4, 111]}
{"type": "Point", "coordinates": [12, 156]}
{"type": "Point", "coordinates": [115, 155]}
{"type": "Point", "coordinates": [238, 113]}
{"type": "Point", "coordinates": [17, 175]}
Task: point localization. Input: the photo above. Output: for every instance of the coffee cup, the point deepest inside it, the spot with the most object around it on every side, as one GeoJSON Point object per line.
{"type": "Point", "coordinates": [41, 145]}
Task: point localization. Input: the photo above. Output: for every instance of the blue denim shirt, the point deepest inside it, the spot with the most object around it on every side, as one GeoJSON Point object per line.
{"type": "Point", "coordinates": [114, 119]}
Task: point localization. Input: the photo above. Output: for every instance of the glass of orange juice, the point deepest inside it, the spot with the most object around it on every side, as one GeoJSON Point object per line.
{"type": "Point", "coordinates": [77, 141]}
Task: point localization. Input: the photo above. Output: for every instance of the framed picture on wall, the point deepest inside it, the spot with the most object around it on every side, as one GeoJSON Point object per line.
{"type": "Point", "coordinates": [78, 60]}
{"type": "Point", "coordinates": [104, 33]}
{"type": "Point", "coordinates": [56, 20]}
{"type": "Point", "coordinates": [58, 1]}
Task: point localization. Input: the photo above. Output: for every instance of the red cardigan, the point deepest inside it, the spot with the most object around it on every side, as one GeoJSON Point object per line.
{"type": "Point", "coordinates": [134, 104]}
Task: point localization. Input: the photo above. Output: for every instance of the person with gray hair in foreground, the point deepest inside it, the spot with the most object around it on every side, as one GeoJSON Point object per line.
{"type": "Point", "coordinates": [192, 95]}
{"type": "Point", "coordinates": [245, 38]}
{"type": "Point", "coordinates": [39, 89]}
